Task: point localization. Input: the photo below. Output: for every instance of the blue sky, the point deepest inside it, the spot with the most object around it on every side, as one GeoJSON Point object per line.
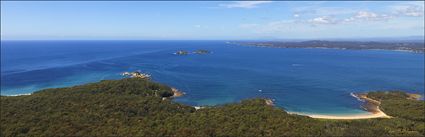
{"type": "Point", "coordinates": [210, 20]}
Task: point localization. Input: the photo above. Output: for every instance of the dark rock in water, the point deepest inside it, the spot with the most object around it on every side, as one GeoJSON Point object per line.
{"type": "Point", "coordinates": [136, 74]}
{"type": "Point", "coordinates": [181, 52]}
{"type": "Point", "coordinates": [201, 51]}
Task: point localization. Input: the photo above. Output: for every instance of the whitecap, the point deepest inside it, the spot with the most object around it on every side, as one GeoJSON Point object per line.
{"type": "Point", "coordinates": [355, 96]}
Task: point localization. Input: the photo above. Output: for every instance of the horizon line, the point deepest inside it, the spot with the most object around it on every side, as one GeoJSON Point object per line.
{"type": "Point", "coordinates": [419, 37]}
{"type": "Point", "coordinates": [328, 39]}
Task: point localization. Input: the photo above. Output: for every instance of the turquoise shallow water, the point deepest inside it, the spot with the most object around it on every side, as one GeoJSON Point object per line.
{"type": "Point", "coordinates": [317, 81]}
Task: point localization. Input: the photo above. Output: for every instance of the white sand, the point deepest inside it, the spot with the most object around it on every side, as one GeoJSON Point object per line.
{"type": "Point", "coordinates": [24, 94]}
{"type": "Point", "coordinates": [350, 116]}
{"type": "Point", "coordinates": [198, 107]}
{"type": "Point", "coordinates": [376, 114]}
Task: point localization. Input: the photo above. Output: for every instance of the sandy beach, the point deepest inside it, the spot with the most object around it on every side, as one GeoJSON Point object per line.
{"type": "Point", "coordinates": [415, 96]}
{"type": "Point", "coordinates": [372, 106]}
{"type": "Point", "coordinates": [358, 116]}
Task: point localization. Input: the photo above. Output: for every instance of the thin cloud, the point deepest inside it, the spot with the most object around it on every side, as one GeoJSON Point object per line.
{"type": "Point", "coordinates": [322, 20]}
{"type": "Point", "coordinates": [248, 25]}
{"type": "Point", "coordinates": [244, 4]}
{"type": "Point", "coordinates": [317, 15]}
{"type": "Point", "coordinates": [322, 11]}
{"type": "Point", "coordinates": [357, 17]}
{"type": "Point", "coordinates": [369, 16]}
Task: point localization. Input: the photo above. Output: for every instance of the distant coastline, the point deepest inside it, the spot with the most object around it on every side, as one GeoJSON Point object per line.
{"type": "Point", "coordinates": [414, 47]}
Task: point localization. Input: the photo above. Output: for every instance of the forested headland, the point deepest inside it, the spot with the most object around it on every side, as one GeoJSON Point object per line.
{"type": "Point", "coordinates": [140, 107]}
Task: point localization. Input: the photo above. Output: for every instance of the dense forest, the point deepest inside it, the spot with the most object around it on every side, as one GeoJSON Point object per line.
{"type": "Point", "coordinates": [139, 107]}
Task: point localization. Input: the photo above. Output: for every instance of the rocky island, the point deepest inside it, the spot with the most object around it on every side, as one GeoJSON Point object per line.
{"type": "Point", "coordinates": [200, 51]}
{"type": "Point", "coordinates": [181, 52]}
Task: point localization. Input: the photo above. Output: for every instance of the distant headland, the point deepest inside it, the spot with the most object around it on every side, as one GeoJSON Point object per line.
{"type": "Point", "coordinates": [415, 47]}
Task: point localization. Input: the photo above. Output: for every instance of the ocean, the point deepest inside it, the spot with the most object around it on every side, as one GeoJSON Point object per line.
{"type": "Point", "coordinates": [314, 81]}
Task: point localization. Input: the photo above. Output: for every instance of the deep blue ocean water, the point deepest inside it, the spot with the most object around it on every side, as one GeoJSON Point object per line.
{"type": "Point", "coordinates": [315, 81]}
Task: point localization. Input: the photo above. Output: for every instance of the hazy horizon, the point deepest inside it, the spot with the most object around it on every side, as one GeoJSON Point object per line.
{"type": "Point", "coordinates": [401, 38]}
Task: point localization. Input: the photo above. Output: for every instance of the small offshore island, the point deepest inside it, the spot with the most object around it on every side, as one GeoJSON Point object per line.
{"type": "Point", "coordinates": [200, 51]}
{"type": "Point", "coordinates": [139, 107]}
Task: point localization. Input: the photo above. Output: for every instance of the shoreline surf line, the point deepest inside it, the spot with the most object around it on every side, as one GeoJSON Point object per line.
{"type": "Point", "coordinates": [269, 102]}
{"type": "Point", "coordinates": [344, 117]}
{"type": "Point", "coordinates": [372, 106]}
{"type": "Point", "coordinates": [176, 93]}
{"type": "Point", "coordinates": [14, 95]}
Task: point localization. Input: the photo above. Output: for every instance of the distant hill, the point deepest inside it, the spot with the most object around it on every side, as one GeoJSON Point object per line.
{"type": "Point", "coordinates": [418, 39]}
{"type": "Point", "coordinates": [417, 47]}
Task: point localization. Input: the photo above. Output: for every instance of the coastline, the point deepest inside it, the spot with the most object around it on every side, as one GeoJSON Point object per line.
{"type": "Point", "coordinates": [344, 117]}
{"type": "Point", "coordinates": [269, 102]}
{"type": "Point", "coordinates": [176, 93]}
{"type": "Point", "coordinates": [140, 102]}
{"type": "Point", "coordinates": [320, 47]}
{"type": "Point", "coordinates": [415, 96]}
{"type": "Point", "coordinates": [14, 95]}
{"type": "Point", "coordinates": [372, 106]}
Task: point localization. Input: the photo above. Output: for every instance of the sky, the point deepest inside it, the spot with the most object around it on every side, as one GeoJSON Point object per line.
{"type": "Point", "coordinates": [209, 20]}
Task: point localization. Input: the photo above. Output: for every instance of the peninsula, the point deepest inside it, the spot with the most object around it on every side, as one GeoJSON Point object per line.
{"type": "Point", "coordinates": [416, 47]}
